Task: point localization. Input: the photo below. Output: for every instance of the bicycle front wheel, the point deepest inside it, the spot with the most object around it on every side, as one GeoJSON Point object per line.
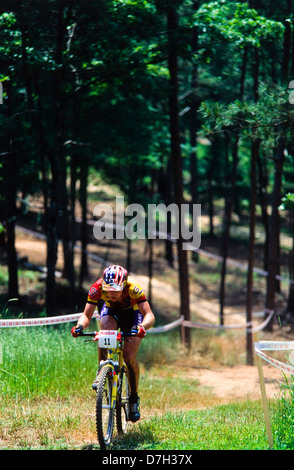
{"type": "Point", "coordinates": [104, 411]}
{"type": "Point", "coordinates": [122, 406]}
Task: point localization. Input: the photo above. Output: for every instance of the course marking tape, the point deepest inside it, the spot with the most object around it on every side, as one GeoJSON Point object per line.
{"type": "Point", "coordinates": [10, 323]}
{"type": "Point", "coordinates": [265, 322]}
{"type": "Point", "coordinates": [40, 321]}
{"type": "Point", "coordinates": [71, 318]}
{"type": "Point", "coordinates": [170, 326]}
{"type": "Point", "coordinates": [191, 324]}
{"type": "Point", "coordinates": [275, 346]}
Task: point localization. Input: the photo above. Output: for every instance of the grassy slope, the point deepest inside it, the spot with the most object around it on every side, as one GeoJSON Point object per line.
{"type": "Point", "coordinates": [46, 401]}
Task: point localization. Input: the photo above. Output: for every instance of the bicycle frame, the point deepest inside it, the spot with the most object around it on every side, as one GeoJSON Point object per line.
{"type": "Point", "coordinates": [111, 378]}
{"type": "Point", "coordinates": [116, 366]}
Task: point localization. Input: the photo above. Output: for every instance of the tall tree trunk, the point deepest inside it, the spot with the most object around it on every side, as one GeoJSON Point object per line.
{"type": "Point", "coordinates": [9, 166]}
{"type": "Point", "coordinates": [249, 297]}
{"type": "Point", "coordinates": [229, 198]}
{"type": "Point", "coordinates": [279, 158]}
{"type": "Point", "coordinates": [172, 26]}
{"type": "Point", "coordinates": [243, 72]}
{"type": "Point", "coordinates": [274, 233]}
{"type": "Point", "coordinates": [168, 199]}
{"type": "Point", "coordinates": [194, 182]}
{"type": "Point", "coordinates": [57, 211]}
{"type": "Point", "coordinates": [193, 118]}
{"type": "Point", "coordinates": [72, 218]}
{"type": "Point", "coordinates": [262, 191]}
{"type": "Point", "coordinates": [253, 180]}
{"type": "Point", "coordinates": [287, 46]}
{"type": "Point", "coordinates": [150, 270]}
{"type": "Point", "coordinates": [129, 255]}
{"type": "Point", "coordinates": [290, 303]}
{"type": "Point", "coordinates": [9, 223]}
{"type": "Point", "coordinates": [51, 259]}
{"type": "Point", "coordinates": [84, 226]}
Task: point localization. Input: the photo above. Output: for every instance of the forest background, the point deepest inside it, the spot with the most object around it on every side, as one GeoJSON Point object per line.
{"type": "Point", "coordinates": [170, 100]}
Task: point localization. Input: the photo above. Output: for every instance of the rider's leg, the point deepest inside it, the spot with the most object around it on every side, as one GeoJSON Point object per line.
{"type": "Point", "coordinates": [130, 357]}
{"type": "Point", "coordinates": [127, 320]}
{"type": "Point", "coordinates": [130, 353]}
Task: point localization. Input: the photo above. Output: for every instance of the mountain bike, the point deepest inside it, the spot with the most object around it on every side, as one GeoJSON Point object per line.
{"type": "Point", "coordinates": [113, 389]}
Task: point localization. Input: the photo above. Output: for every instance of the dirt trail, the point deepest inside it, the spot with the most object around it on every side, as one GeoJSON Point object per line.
{"type": "Point", "coordinates": [239, 382]}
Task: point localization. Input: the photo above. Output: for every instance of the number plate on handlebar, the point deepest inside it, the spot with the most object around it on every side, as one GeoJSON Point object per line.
{"type": "Point", "coordinates": [107, 339]}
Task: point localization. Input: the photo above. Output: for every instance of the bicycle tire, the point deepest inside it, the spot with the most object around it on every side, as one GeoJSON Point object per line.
{"type": "Point", "coordinates": [104, 412]}
{"type": "Point", "coordinates": [122, 406]}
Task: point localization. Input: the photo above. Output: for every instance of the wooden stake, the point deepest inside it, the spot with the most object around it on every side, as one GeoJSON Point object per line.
{"type": "Point", "coordinates": [264, 402]}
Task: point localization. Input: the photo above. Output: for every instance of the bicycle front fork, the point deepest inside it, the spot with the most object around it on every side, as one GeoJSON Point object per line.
{"type": "Point", "coordinates": [114, 388]}
{"type": "Point", "coordinates": [115, 380]}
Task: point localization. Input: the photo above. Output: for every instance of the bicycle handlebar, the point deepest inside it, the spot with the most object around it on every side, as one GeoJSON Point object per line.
{"type": "Point", "coordinates": [120, 335]}
{"type": "Point", "coordinates": [89, 333]}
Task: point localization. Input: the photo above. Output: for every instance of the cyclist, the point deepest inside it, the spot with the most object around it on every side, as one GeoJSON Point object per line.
{"type": "Point", "coordinates": [125, 307]}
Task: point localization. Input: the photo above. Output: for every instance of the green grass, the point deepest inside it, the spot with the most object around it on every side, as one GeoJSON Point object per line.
{"type": "Point", "coordinates": [227, 427]}
{"type": "Point", "coordinates": [283, 419]}
{"type": "Point", "coordinates": [47, 401]}
{"type": "Point", "coordinates": [38, 361]}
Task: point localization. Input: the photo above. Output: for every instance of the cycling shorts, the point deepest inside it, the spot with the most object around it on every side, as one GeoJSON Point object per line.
{"type": "Point", "coordinates": [125, 319]}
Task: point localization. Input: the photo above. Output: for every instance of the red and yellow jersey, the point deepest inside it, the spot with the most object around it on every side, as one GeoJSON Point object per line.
{"type": "Point", "coordinates": [132, 295]}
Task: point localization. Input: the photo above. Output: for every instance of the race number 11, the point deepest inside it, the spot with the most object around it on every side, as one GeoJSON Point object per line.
{"type": "Point", "coordinates": [107, 339]}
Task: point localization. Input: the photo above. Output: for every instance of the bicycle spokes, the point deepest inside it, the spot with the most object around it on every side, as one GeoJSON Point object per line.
{"type": "Point", "coordinates": [112, 386]}
{"type": "Point", "coordinates": [104, 410]}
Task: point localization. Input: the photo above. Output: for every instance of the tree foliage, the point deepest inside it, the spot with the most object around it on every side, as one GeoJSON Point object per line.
{"type": "Point", "coordinates": [88, 86]}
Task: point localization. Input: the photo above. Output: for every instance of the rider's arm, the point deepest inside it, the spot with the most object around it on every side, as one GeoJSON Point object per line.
{"type": "Point", "coordinates": [148, 316]}
{"type": "Point", "coordinates": [94, 295]}
{"type": "Point", "coordinates": [85, 319]}
{"type": "Point", "coordinates": [138, 298]}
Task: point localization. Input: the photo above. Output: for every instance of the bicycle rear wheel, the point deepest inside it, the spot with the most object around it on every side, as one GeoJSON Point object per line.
{"type": "Point", "coordinates": [122, 406]}
{"type": "Point", "coordinates": [104, 411]}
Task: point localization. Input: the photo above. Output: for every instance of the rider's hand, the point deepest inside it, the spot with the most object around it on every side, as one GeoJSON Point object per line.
{"type": "Point", "coordinates": [141, 332]}
{"type": "Point", "coordinates": [77, 330]}
{"type": "Point", "coordinates": [96, 336]}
